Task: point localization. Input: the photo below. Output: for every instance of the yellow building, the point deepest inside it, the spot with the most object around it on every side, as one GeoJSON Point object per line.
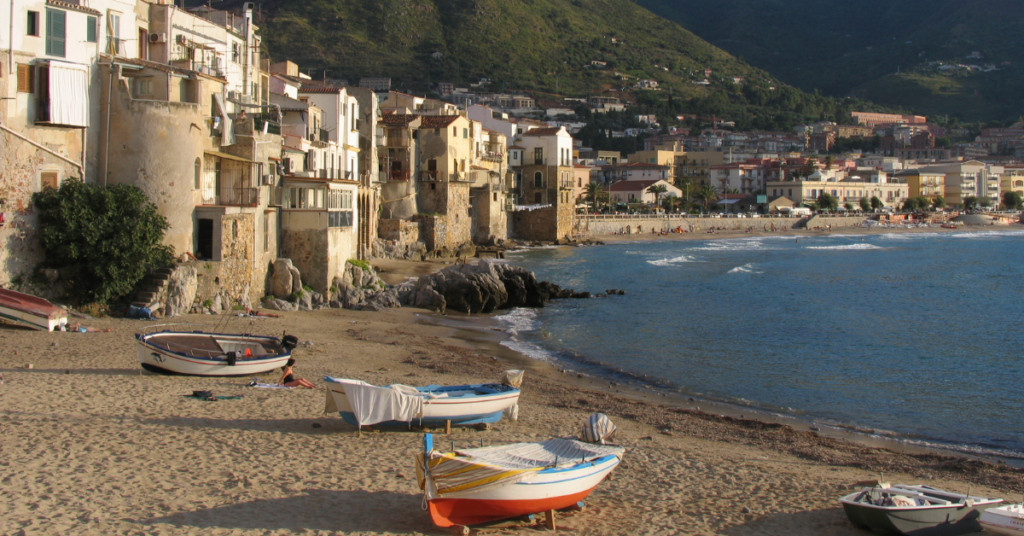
{"type": "Point", "coordinates": [923, 183]}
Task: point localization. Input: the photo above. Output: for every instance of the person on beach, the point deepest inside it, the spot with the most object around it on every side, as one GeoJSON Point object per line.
{"type": "Point", "coordinates": [288, 378]}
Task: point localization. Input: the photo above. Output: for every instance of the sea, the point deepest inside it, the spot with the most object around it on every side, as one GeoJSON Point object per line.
{"type": "Point", "coordinates": [916, 337]}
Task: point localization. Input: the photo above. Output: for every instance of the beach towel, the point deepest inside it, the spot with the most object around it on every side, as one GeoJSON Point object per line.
{"type": "Point", "coordinates": [597, 429]}
{"type": "Point", "coordinates": [269, 386]}
{"type": "Point", "coordinates": [372, 404]}
{"type": "Point", "coordinates": [214, 398]}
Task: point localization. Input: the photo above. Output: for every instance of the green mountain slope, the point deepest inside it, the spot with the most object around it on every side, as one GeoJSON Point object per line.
{"type": "Point", "coordinates": [541, 45]}
{"type": "Point", "coordinates": [857, 48]}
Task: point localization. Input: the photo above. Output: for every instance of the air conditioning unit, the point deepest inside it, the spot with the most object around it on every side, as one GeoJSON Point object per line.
{"type": "Point", "coordinates": [286, 165]}
{"type": "Point", "coordinates": [268, 180]}
{"type": "Point", "coordinates": [180, 39]}
{"type": "Point", "coordinates": [158, 38]}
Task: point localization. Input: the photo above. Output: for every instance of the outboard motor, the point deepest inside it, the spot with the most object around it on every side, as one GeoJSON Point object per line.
{"type": "Point", "coordinates": [290, 342]}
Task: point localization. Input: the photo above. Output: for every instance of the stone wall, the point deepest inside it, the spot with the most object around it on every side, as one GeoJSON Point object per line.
{"type": "Point", "coordinates": [537, 224]}
{"type": "Point", "coordinates": [596, 227]}
{"type": "Point", "coordinates": [489, 217]}
{"type": "Point", "coordinates": [307, 248]}
{"type": "Point", "coordinates": [237, 276]}
{"type": "Point", "coordinates": [401, 231]}
{"type": "Point", "coordinates": [434, 231]}
{"type": "Point", "coordinates": [822, 222]}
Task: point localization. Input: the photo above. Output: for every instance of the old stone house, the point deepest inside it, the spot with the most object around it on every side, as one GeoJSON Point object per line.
{"type": "Point", "coordinates": [545, 180]}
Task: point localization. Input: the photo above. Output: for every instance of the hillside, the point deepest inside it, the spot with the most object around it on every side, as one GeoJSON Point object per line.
{"type": "Point", "coordinates": [857, 48]}
{"type": "Point", "coordinates": [538, 45]}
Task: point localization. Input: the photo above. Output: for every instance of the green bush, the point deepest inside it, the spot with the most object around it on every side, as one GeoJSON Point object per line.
{"type": "Point", "coordinates": [102, 240]}
{"type": "Point", "coordinates": [361, 264]}
{"type": "Point", "coordinates": [296, 296]}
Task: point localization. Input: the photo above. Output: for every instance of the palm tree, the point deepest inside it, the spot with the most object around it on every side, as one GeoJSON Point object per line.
{"type": "Point", "coordinates": [706, 194]}
{"type": "Point", "coordinates": [596, 193]}
{"type": "Point", "coordinates": [657, 190]}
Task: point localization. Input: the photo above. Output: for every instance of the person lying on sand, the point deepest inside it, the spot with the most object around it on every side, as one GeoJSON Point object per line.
{"type": "Point", "coordinates": [288, 378]}
{"type": "Point", "coordinates": [253, 312]}
{"type": "Point", "coordinates": [78, 327]}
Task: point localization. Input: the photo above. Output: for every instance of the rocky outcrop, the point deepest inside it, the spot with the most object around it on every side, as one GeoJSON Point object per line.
{"type": "Point", "coordinates": [393, 249]}
{"type": "Point", "coordinates": [286, 278]}
{"type": "Point", "coordinates": [181, 290]}
{"type": "Point", "coordinates": [481, 288]}
{"type": "Point", "coordinates": [360, 289]}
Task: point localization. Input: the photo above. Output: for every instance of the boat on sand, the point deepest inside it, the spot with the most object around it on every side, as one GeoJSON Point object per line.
{"type": "Point", "coordinates": [190, 350]}
{"type": "Point", "coordinates": [363, 404]}
{"type": "Point", "coordinates": [480, 485]}
{"type": "Point", "coordinates": [1006, 520]}
{"type": "Point", "coordinates": [31, 311]}
{"type": "Point", "coordinates": [915, 510]}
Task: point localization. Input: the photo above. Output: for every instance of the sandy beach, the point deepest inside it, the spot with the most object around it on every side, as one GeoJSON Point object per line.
{"type": "Point", "coordinates": [90, 445]}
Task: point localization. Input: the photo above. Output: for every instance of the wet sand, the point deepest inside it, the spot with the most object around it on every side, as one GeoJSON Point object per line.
{"type": "Point", "coordinates": [89, 445]}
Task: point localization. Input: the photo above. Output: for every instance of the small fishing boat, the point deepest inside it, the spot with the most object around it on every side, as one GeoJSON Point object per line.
{"type": "Point", "coordinates": [952, 225]}
{"type": "Point", "coordinates": [915, 510]}
{"type": "Point", "coordinates": [190, 350]}
{"type": "Point", "coordinates": [362, 404]}
{"type": "Point", "coordinates": [480, 485]}
{"type": "Point", "coordinates": [31, 311]}
{"type": "Point", "coordinates": [1006, 520]}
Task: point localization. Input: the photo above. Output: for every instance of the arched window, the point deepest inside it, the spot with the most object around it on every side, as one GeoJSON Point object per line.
{"type": "Point", "coordinates": [538, 180]}
{"type": "Point", "coordinates": [198, 174]}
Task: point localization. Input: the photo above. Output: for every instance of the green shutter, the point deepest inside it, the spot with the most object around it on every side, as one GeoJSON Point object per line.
{"type": "Point", "coordinates": [55, 35]}
{"type": "Point", "coordinates": [90, 30]}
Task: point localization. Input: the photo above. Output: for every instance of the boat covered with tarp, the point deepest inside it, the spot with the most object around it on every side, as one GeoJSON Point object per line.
{"type": "Point", "coordinates": [195, 351]}
{"type": "Point", "coordinates": [363, 404]}
{"type": "Point", "coordinates": [915, 510]}
{"type": "Point", "coordinates": [479, 485]}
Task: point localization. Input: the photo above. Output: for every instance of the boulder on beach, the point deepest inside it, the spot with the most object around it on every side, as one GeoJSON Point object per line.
{"type": "Point", "coordinates": [482, 288]}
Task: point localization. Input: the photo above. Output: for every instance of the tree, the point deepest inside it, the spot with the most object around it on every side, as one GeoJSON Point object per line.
{"type": "Point", "coordinates": [706, 194]}
{"type": "Point", "coordinates": [101, 240]}
{"type": "Point", "coordinates": [829, 160]}
{"type": "Point", "coordinates": [984, 202]}
{"type": "Point", "coordinates": [923, 203]}
{"type": "Point", "coordinates": [596, 194]}
{"type": "Point", "coordinates": [848, 206]}
{"type": "Point", "coordinates": [911, 204]}
{"type": "Point", "coordinates": [970, 203]}
{"type": "Point", "coordinates": [865, 205]}
{"type": "Point", "coordinates": [940, 202]}
{"type": "Point", "coordinates": [827, 201]}
{"type": "Point", "coordinates": [657, 190]}
{"type": "Point", "coordinates": [1013, 201]}
{"type": "Point", "coordinates": [876, 203]}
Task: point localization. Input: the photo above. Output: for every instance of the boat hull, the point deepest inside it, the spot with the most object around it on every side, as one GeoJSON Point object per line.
{"type": "Point", "coordinates": [465, 411]}
{"type": "Point", "coordinates": [1007, 520]}
{"type": "Point", "coordinates": [551, 489]}
{"type": "Point", "coordinates": [156, 359]}
{"type": "Point", "coordinates": [30, 311]}
{"type": "Point", "coordinates": [947, 521]}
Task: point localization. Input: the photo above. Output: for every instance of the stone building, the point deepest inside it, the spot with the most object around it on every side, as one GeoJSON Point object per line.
{"type": "Point", "coordinates": [544, 180]}
{"type": "Point", "coordinates": [444, 159]}
{"type": "Point", "coordinates": [490, 187]}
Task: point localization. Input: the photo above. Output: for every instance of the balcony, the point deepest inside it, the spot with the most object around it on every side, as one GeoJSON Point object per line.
{"type": "Point", "coordinates": [429, 176]}
{"type": "Point", "coordinates": [400, 139]}
{"type": "Point", "coordinates": [232, 197]}
{"type": "Point", "coordinates": [394, 175]}
{"type": "Point", "coordinates": [461, 176]}
{"type": "Point", "coordinates": [319, 137]}
{"type": "Point", "coordinates": [207, 68]}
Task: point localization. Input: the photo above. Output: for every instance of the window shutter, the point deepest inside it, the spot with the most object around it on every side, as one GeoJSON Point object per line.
{"type": "Point", "coordinates": [25, 79]}
{"type": "Point", "coordinates": [55, 32]}
{"type": "Point", "coordinates": [90, 30]}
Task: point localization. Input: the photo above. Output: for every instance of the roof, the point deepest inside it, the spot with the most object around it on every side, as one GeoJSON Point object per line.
{"type": "Point", "coordinates": [306, 88]}
{"type": "Point", "coordinates": [69, 5]}
{"type": "Point", "coordinates": [397, 120]}
{"type": "Point", "coordinates": [551, 131]}
{"type": "Point", "coordinates": [581, 166]}
{"type": "Point", "coordinates": [630, 186]}
{"type": "Point", "coordinates": [438, 121]}
{"type": "Point", "coordinates": [516, 147]}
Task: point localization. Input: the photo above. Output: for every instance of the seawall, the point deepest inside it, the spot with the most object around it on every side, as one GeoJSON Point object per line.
{"type": "Point", "coordinates": [606, 225]}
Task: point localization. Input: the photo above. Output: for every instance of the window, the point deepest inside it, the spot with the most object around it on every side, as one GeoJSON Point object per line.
{"type": "Point", "coordinates": [198, 174]}
{"type": "Point", "coordinates": [538, 180]}
{"type": "Point", "coordinates": [114, 33]}
{"type": "Point", "coordinates": [55, 35]}
{"type": "Point", "coordinates": [465, 133]}
{"type": "Point", "coordinates": [236, 52]}
{"type": "Point", "coordinates": [26, 78]}
{"type": "Point", "coordinates": [455, 132]}
{"type": "Point", "coordinates": [32, 26]}
{"type": "Point", "coordinates": [48, 179]}
{"type": "Point", "coordinates": [90, 29]}
{"type": "Point", "coordinates": [538, 156]}
{"type": "Point", "coordinates": [142, 87]}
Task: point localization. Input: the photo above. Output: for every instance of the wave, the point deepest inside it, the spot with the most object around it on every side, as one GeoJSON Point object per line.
{"type": "Point", "coordinates": [518, 320]}
{"type": "Point", "coordinates": [848, 247]}
{"type": "Point", "coordinates": [745, 269]}
{"type": "Point", "coordinates": [677, 260]}
{"type": "Point", "coordinates": [529, 349]}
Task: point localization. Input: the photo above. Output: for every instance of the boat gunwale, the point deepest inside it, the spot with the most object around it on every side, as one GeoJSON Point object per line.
{"type": "Point", "coordinates": [981, 502]}
{"type": "Point", "coordinates": [144, 340]}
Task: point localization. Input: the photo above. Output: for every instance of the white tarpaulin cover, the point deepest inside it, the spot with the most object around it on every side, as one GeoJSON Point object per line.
{"type": "Point", "coordinates": [543, 454]}
{"type": "Point", "coordinates": [69, 94]}
{"type": "Point", "coordinates": [372, 404]}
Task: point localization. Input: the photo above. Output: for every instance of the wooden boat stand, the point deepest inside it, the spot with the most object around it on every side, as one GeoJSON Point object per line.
{"type": "Point", "coordinates": [548, 522]}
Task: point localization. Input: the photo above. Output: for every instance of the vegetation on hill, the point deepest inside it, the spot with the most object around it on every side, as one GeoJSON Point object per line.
{"type": "Point", "coordinates": [901, 53]}
{"type": "Point", "coordinates": [548, 46]}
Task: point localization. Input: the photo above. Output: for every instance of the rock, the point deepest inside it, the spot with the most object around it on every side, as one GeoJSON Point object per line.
{"type": "Point", "coordinates": [181, 290]}
{"type": "Point", "coordinates": [429, 298]}
{"type": "Point", "coordinates": [296, 279]}
{"type": "Point", "coordinates": [335, 304]}
{"type": "Point", "coordinates": [600, 295]}
{"type": "Point", "coordinates": [281, 281]}
{"type": "Point", "coordinates": [316, 298]}
{"type": "Point", "coordinates": [217, 306]}
{"type": "Point", "coordinates": [580, 295]}
{"type": "Point", "coordinates": [305, 301]}
{"type": "Point", "coordinates": [383, 299]}
{"type": "Point", "coordinates": [279, 305]}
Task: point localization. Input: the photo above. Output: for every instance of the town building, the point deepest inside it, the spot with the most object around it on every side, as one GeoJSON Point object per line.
{"type": "Point", "coordinates": [923, 183]}
{"type": "Point", "coordinates": [627, 192]}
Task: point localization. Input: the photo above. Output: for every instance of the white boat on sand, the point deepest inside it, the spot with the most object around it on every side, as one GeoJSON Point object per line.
{"type": "Point", "coordinates": [191, 350]}
{"type": "Point", "coordinates": [30, 311]}
{"type": "Point", "coordinates": [1006, 520]}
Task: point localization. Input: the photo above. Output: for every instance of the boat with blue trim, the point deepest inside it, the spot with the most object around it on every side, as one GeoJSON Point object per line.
{"type": "Point", "coordinates": [363, 404]}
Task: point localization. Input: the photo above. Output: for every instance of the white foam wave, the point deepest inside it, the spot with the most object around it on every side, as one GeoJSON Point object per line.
{"type": "Point", "coordinates": [745, 269]}
{"type": "Point", "coordinates": [848, 247]}
{"type": "Point", "coordinates": [529, 349]}
{"type": "Point", "coordinates": [677, 260]}
{"type": "Point", "coordinates": [738, 244]}
{"type": "Point", "coordinates": [519, 320]}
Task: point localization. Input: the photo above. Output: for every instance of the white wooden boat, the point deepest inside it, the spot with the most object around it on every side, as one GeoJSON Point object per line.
{"type": "Point", "coordinates": [190, 350]}
{"type": "Point", "coordinates": [362, 404]}
{"type": "Point", "coordinates": [1006, 520]}
{"type": "Point", "coordinates": [473, 486]}
{"type": "Point", "coordinates": [30, 311]}
{"type": "Point", "coordinates": [915, 510]}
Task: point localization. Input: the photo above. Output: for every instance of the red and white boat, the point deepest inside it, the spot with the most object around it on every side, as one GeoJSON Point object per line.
{"type": "Point", "coordinates": [473, 486]}
{"type": "Point", "coordinates": [194, 351]}
{"type": "Point", "coordinates": [31, 311]}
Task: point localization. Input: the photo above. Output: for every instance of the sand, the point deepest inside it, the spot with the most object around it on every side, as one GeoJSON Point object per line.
{"type": "Point", "coordinates": [89, 445]}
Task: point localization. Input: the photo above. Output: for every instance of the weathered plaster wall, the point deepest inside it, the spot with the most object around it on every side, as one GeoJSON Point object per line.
{"type": "Point", "coordinates": [236, 271]}
{"type": "Point", "coordinates": [537, 224]}
{"type": "Point", "coordinates": [489, 217]}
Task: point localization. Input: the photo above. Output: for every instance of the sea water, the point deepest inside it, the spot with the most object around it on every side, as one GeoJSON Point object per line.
{"type": "Point", "coordinates": [914, 335]}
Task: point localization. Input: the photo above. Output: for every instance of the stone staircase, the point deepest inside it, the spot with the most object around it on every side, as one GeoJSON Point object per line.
{"type": "Point", "coordinates": [153, 288]}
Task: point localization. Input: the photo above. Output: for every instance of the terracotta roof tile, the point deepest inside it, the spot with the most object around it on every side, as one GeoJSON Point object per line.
{"type": "Point", "coordinates": [397, 120]}
{"type": "Point", "coordinates": [438, 121]}
{"type": "Point", "coordinates": [543, 131]}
